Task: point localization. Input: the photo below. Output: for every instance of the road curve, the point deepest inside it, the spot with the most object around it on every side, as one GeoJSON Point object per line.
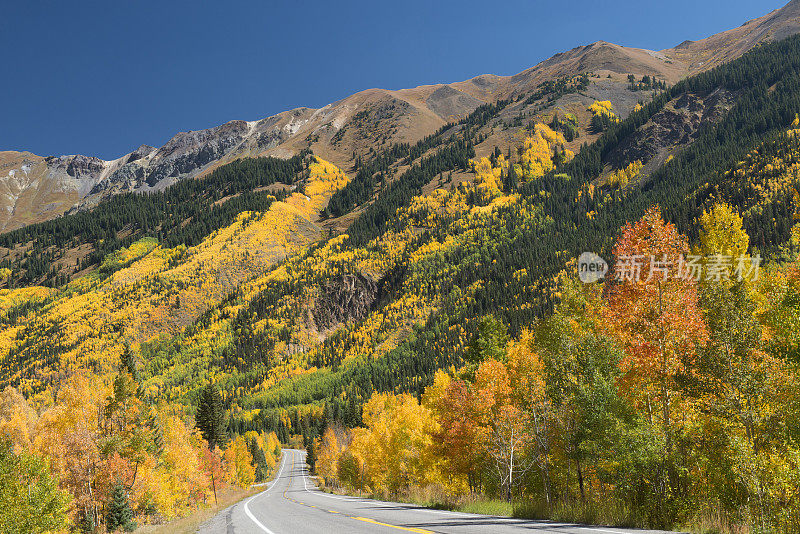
{"type": "Point", "coordinates": [291, 504]}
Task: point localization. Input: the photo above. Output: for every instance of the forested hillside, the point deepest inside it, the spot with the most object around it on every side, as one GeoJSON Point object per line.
{"type": "Point", "coordinates": [660, 401]}
{"type": "Point", "coordinates": [183, 214]}
{"type": "Point", "coordinates": [447, 309]}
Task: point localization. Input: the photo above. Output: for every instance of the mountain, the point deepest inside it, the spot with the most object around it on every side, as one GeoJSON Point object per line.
{"type": "Point", "coordinates": [249, 273]}
{"type": "Point", "coordinates": [413, 316]}
{"type": "Point", "coordinates": [35, 189]}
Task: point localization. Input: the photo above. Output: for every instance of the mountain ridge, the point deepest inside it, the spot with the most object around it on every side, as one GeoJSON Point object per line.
{"type": "Point", "coordinates": [35, 188]}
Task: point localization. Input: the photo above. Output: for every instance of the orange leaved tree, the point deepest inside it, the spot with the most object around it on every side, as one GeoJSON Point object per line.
{"type": "Point", "coordinates": [653, 310]}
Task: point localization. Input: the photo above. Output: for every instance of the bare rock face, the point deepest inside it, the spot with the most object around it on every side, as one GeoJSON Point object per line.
{"type": "Point", "coordinates": [80, 173]}
{"type": "Point", "coordinates": [186, 155]}
{"type": "Point", "coordinates": [142, 152]}
{"type": "Point", "coordinates": [181, 156]}
{"type": "Point", "coordinates": [675, 126]}
{"type": "Point", "coordinates": [343, 299]}
{"type": "Point", "coordinates": [81, 166]}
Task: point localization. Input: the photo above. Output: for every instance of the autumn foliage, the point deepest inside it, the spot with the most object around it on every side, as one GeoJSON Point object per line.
{"type": "Point", "coordinates": [621, 402]}
{"type": "Point", "coordinates": [97, 434]}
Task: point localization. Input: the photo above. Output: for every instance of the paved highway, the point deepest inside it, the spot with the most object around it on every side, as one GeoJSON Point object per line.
{"type": "Point", "coordinates": [291, 504]}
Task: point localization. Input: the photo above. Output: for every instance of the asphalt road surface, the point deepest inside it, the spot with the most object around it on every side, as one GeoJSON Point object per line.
{"type": "Point", "coordinates": [291, 504]}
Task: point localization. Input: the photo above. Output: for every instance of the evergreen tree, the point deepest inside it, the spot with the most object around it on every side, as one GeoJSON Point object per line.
{"type": "Point", "coordinates": [511, 179]}
{"type": "Point", "coordinates": [210, 418]}
{"type": "Point", "coordinates": [488, 343]}
{"type": "Point", "coordinates": [128, 361]}
{"type": "Point", "coordinates": [119, 514]}
{"type": "Point", "coordinates": [311, 455]}
{"type": "Point", "coordinates": [260, 459]}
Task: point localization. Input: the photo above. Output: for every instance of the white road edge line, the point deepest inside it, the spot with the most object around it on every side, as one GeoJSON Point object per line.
{"type": "Point", "coordinates": [247, 502]}
{"type": "Point", "coordinates": [603, 530]}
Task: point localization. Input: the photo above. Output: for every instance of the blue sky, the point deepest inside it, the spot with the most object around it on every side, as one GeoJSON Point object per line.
{"type": "Point", "coordinates": [101, 78]}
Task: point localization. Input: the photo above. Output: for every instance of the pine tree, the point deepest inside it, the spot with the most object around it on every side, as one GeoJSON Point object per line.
{"type": "Point", "coordinates": [120, 514]}
{"type": "Point", "coordinates": [211, 421]}
{"type": "Point", "coordinates": [210, 418]}
{"type": "Point", "coordinates": [260, 459]}
{"type": "Point", "coordinates": [488, 343]}
{"type": "Point", "coordinates": [129, 364]}
{"type": "Point", "coordinates": [311, 455]}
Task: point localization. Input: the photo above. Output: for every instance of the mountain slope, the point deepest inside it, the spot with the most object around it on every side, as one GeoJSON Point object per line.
{"type": "Point", "coordinates": [148, 290]}
{"type": "Point", "coordinates": [386, 305]}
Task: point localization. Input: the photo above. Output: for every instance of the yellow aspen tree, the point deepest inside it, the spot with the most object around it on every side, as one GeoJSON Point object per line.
{"type": "Point", "coordinates": [240, 463]}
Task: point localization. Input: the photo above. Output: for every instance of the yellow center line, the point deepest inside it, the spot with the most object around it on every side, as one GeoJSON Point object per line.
{"type": "Point", "coordinates": [408, 529]}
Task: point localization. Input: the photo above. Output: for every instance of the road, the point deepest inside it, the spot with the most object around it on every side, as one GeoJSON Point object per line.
{"type": "Point", "coordinates": [292, 504]}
